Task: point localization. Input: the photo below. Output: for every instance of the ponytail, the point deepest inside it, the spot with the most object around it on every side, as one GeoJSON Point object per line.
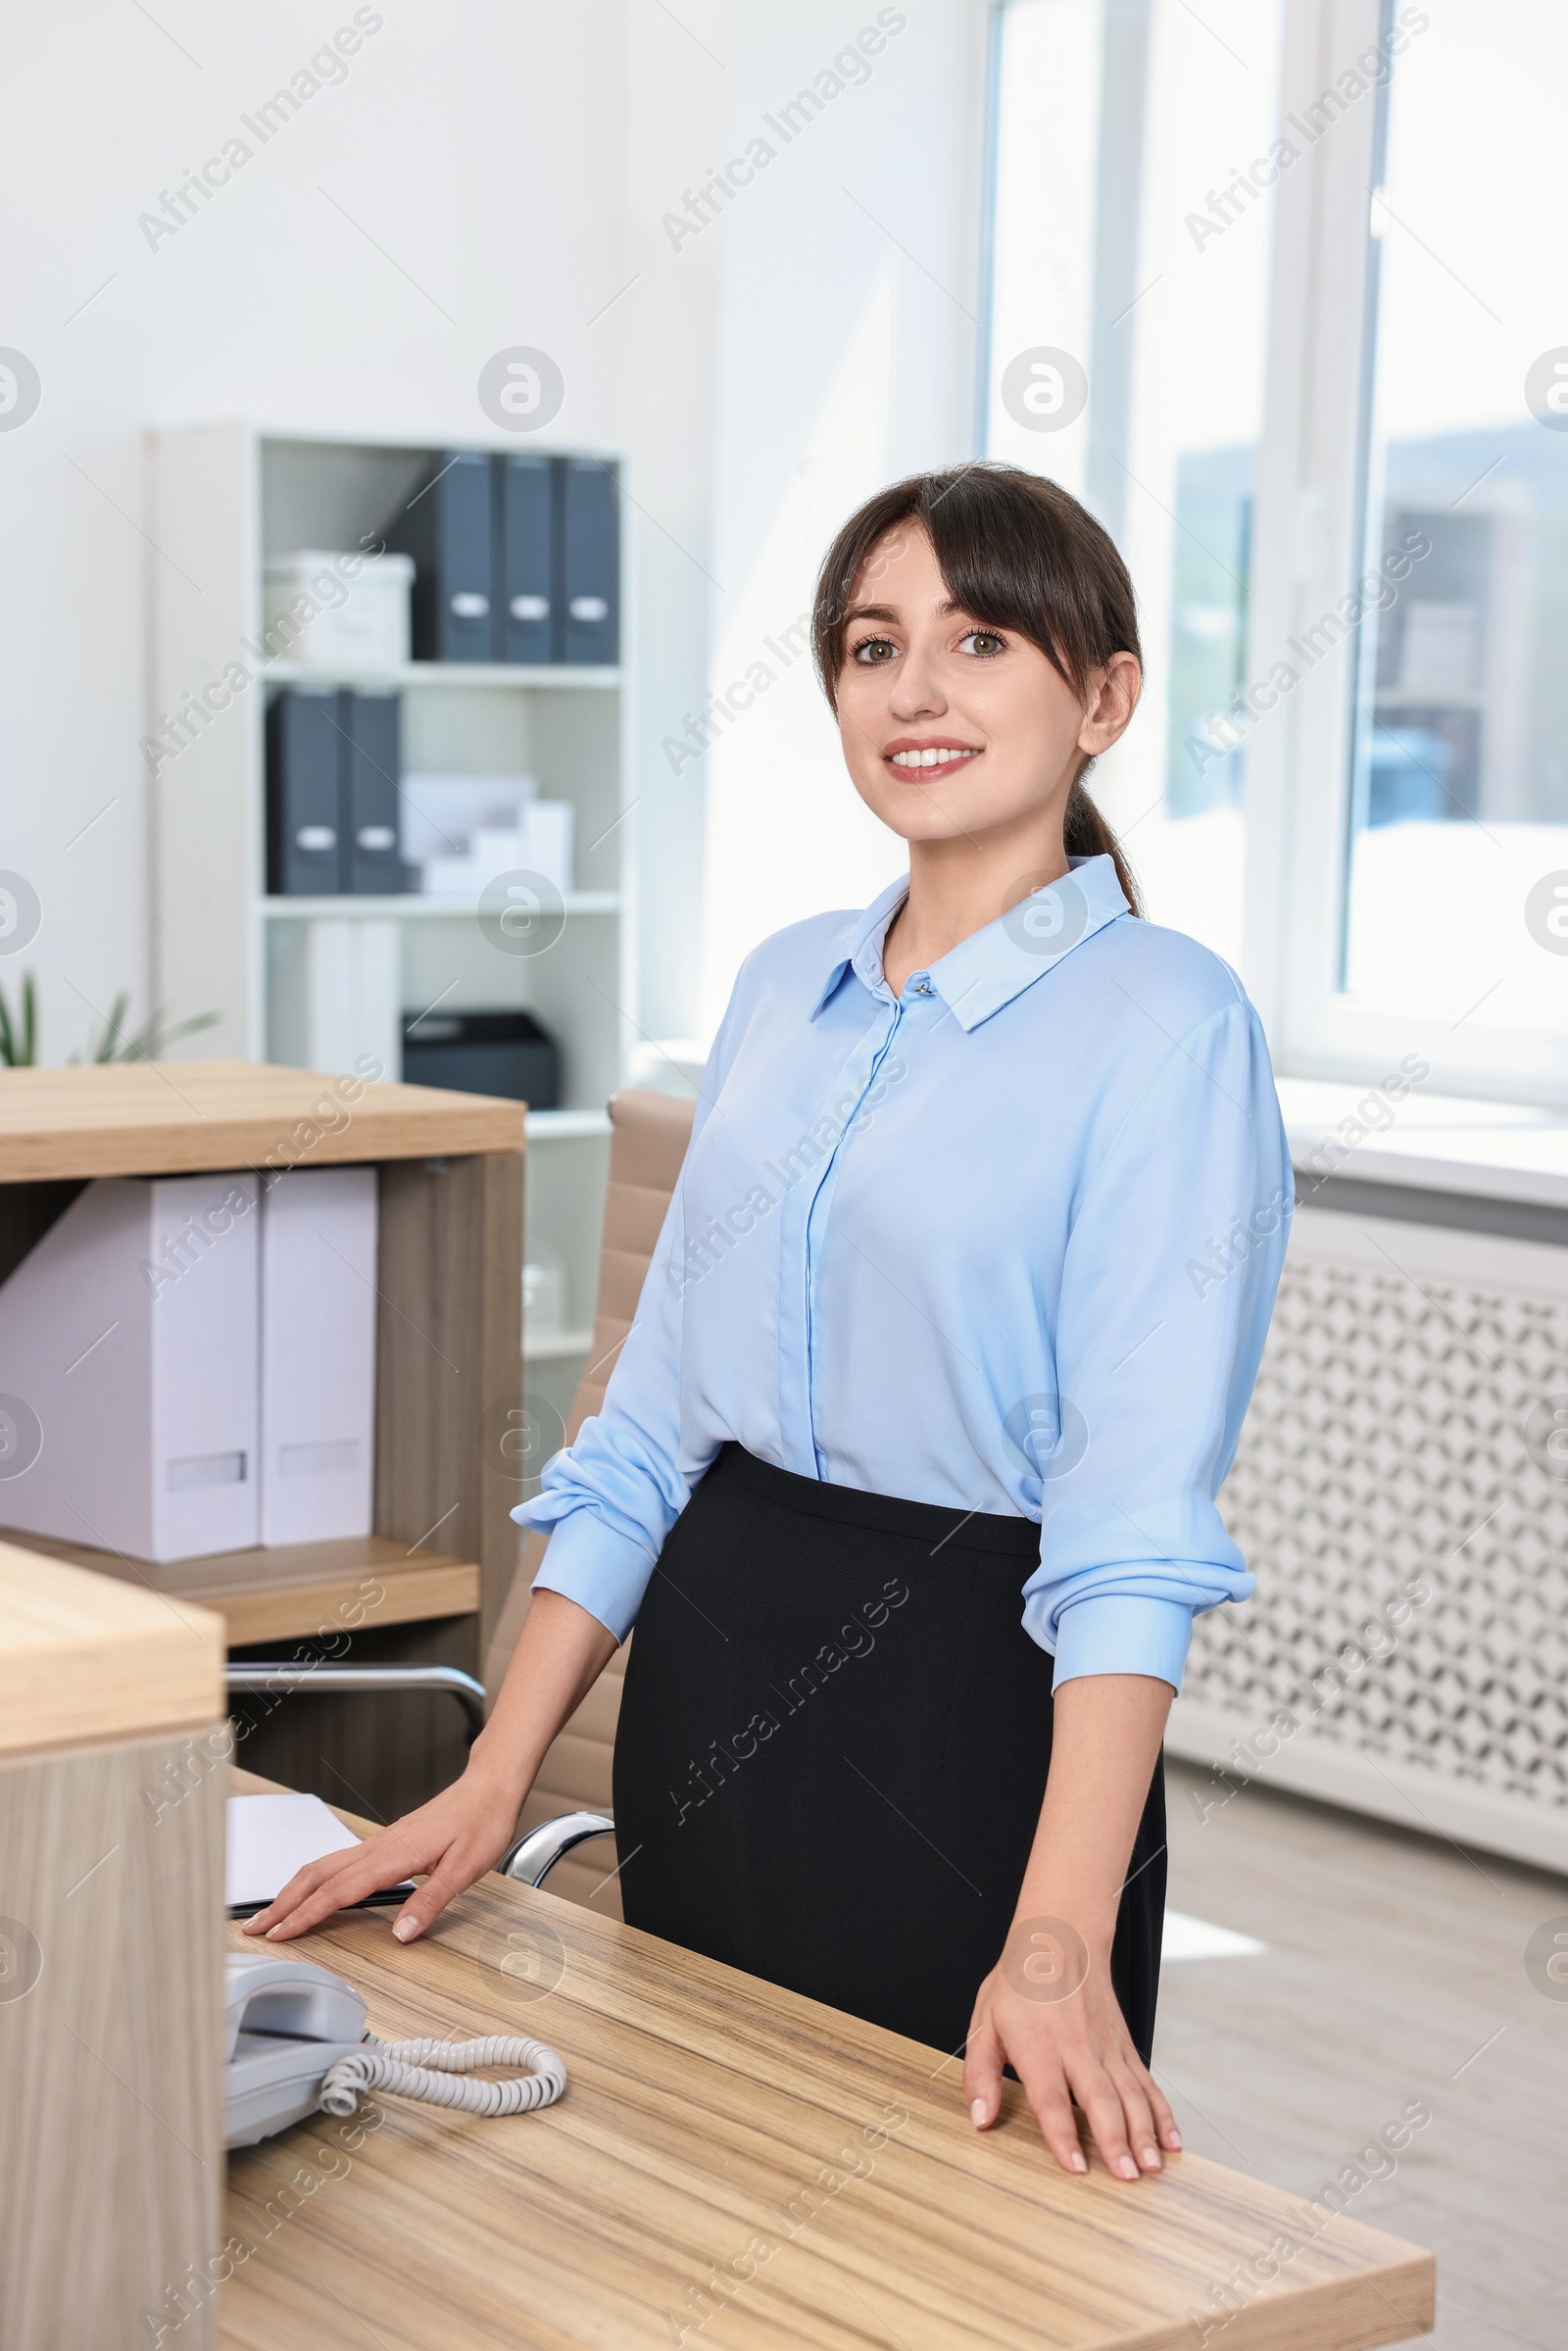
{"type": "Point", "coordinates": [1086, 834]}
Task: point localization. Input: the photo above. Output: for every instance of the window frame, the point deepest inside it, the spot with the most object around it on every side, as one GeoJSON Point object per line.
{"type": "Point", "coordinates": [1311, 524]}
{"type": "Point", "coordinates": [1309, 545]}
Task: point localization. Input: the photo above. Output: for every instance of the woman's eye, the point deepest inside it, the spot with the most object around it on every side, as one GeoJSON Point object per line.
{"type": "Point", "coordinates": [983, 641]}
{"type": "Point", "coordinates": [873, 651]}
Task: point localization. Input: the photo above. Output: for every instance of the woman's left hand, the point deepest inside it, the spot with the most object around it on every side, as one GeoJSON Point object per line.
{"type": "Point", "coordinates": [1048, 2010]}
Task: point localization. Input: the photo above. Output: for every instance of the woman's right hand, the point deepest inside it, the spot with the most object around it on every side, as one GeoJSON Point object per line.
{"type": "Point", "coordinates": [450, 1843]}
{"type": "Point", "coordinates": [560, 1652]}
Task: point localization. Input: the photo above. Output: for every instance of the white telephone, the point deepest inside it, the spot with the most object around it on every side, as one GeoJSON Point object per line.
{"type": "Point", "coordinates": [296, 2040]}
{"type": "Point", "coordinates": [286, 2026]}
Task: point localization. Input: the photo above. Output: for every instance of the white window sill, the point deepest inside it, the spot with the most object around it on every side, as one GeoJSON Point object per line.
{"type": "Point", "coordinates": [1434, 1142]}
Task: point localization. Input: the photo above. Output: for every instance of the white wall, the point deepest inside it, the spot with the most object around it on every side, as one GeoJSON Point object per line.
{"type": "Point", "coordinates": [848, 293]}
{"type": "Point", "coordinates": [505, 188]}
{"type": "Point", "coordinates": [488, 173]}
{"type": "Point", "coordinates": [674, 80]}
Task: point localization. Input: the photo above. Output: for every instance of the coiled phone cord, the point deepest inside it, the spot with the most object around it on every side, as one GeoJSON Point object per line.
{"type": "Point", "coordinates": [426, 2070]}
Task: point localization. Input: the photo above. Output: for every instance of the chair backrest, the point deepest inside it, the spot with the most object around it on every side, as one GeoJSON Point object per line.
{"type": "Point", "coordinates": [648, 1136]}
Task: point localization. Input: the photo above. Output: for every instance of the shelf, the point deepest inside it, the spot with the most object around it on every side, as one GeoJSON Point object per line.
{"type": "Point", "coordinates": [415, 905]}
{"type": "Point", "coordinates": [296, 1590]}
{"type": "Point", "coordinates": [552, 1347]}
{"type": "Point", "coordinates": [576, 676]}
{"type": "Point", "coordinates": [566, 1126]}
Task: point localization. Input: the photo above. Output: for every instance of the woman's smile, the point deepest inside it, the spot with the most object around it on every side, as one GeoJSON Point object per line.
{"type": "Point", "coordinates": [927, 758]}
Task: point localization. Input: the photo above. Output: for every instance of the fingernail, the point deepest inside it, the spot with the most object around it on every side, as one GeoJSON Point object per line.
{"type": "Point", "coordinates": [1150, 2157]}
{"type": "Point", "coordinates": [977, 2112]}
{"type": "Point", "coordinates": [1173, 2138]}
{"type": "Point", "coordinates": [1126, 2166]}
{"type": "Point", "coordinates": [1076, 2162]}
{"type": "Point", "coordinates": [272, 1932]}
{"type": "Point", "coordinates": [405, 1930]}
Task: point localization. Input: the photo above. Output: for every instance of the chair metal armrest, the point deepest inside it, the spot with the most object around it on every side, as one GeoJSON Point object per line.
{"type": "Point", "coordinates": [532, 1857]}
{"type": "Point", "coordinates": [263, 1675]}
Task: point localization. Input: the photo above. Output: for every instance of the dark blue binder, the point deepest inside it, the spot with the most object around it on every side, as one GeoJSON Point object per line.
{"type": "Point", "coordinates": [333, 768]}
{"type": "Point", "coordinates": [588, 593]}
{"type": "Point", "coordinates": [448, 526]}
{"type": "Point", "coordinates": [372, 752]}
{"type": "Point", "coordinates": [303, 815]}
{"type": "Point", "coordinates": [525, 583]}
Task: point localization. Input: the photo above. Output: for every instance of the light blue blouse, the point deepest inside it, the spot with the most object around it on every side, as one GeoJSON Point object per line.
{"type": "Point", "coordinates": [1007, 1242]}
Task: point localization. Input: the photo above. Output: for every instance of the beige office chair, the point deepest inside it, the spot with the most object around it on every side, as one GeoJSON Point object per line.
{"type": "Point", "coordinates": [647, 1137]}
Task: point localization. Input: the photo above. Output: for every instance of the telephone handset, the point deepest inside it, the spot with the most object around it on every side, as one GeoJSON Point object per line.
{"type": "Point", "coordinates": [296, 2040]}
{"type": "Point", "coordinates": [287, 2024]}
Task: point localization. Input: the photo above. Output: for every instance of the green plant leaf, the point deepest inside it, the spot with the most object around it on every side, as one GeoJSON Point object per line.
{"type": "Point", "coordinates": [19, 1032]}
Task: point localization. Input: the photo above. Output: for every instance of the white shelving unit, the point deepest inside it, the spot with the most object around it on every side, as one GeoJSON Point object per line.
{"type": "Point", "coordinates": [566, 1126]}
{"type": "Point", "coordinates": [556, 675]}
{"type": "Point", "coordinates": [406, 906]}
{"type": "Point", "coordinates": [321, 982]}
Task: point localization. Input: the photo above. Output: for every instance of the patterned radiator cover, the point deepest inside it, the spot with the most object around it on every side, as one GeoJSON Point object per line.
{"type": "Point", "coordinates": [1402, 1493]}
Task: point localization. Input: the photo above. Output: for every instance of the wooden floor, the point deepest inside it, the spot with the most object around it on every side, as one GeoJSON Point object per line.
{"type": "Point", "coordinates": [1395, 1970]}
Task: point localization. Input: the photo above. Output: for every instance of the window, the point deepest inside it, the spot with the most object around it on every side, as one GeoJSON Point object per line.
{"type": "Point", "coordinates": [1308, 262]}
{"type": "Point", "coordinates": [1459, 777]}
{"type": "Point", "coordinates": [1127, 326]}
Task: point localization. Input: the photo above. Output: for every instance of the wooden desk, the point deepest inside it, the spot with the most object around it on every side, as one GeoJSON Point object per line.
{"type": "Point", "coordinates": [735, 2166]}
{"type": "Point", "coordinates": [427, 1585]}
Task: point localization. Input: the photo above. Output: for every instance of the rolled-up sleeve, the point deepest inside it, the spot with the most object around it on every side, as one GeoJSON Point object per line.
{"type": "Point", "coordinates": [1168, 1287]}
{"type": "Point", "coordinates": [609, 1500]}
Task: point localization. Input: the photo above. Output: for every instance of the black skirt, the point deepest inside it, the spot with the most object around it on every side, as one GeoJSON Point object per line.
{"type": "Point", "coordinates": [833, 1748]}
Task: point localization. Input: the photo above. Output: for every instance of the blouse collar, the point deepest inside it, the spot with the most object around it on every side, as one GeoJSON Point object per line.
{"type": "Point", "coordinates": [996, 963]}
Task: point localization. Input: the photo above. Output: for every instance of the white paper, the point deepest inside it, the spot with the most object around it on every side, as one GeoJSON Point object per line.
{"type": "Point", "coordinates": [548, 827]}
{"type": "Point", "coordinates": [269, 1838]}
{"type": "Point", "coordinates": [438, 813]}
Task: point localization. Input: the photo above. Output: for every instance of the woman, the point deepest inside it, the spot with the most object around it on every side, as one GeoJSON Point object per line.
{"type": "Point", "coordinates": [941, 1360]}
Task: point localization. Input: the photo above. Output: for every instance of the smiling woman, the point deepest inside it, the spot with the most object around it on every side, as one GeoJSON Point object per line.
{"type": "Point", "coordinates": [942, 552]}
{"type": "Point", "coordinates": [949, 1353]}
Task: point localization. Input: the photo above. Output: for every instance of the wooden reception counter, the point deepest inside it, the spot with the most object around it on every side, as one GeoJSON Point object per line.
{"type": "Point", "coordinates": [112, 1741]}
{"type": "Point", "coordinates": [736, 2165]}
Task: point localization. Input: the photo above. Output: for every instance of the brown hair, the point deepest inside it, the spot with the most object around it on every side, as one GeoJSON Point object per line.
{"type": "Point", "coordinates": [1016, 551]}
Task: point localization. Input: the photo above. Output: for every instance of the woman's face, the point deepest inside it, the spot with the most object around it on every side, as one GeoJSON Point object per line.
{"type": "Point", "coordinates": [951, 728]}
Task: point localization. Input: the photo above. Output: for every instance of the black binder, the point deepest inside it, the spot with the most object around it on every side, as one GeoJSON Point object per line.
{"type": "Point", "coordinates": [525, 589]}
{"type": "Point", "coordinates": [303, 815]}
{"type": "Point", "coordinates": [333, 768]}
{"type": "Point", "coordinates": [588, 592]}
{"type": "Point", "coordinates": [448, 527]}
{"type": "Point", "coordinates": [372, 765]}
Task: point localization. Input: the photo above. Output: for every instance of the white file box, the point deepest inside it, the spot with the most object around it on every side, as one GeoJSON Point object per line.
{"type": "Point", "coordinates": [128, 1361]}
{"type": "Point", "coordinates": [317, 1334]}
{"type": "Point", "coordinates": [352, 626]}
